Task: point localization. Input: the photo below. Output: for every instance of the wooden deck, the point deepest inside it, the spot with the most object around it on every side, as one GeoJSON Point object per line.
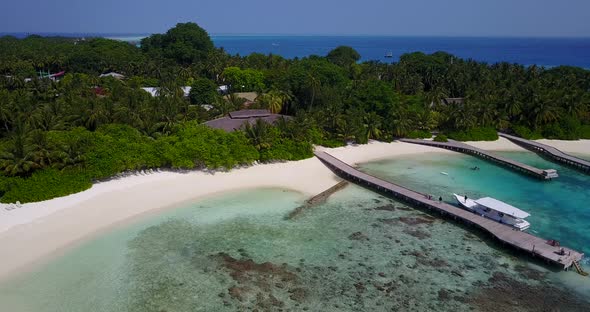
{"type": "Point", "coordinates": [472, 150]}
{"type": "Point", "coordinates": [535, 246]}
{"type": "Point", "coordinates": [551, 152]}
{"type": "Point", "coordinates": [316, 200]}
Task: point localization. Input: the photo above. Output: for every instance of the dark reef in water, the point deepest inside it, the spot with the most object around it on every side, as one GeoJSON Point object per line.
{"type": "Point", "coordinates": [417, 220]}
{"type": "Point", "coordinates": [338, 258]}
{"type": "Point", "coordinates": [417, 233]}
{"type": "Point", "coordinates": [265, 286]}
{"type": "Point", "coordinates": [504, 294]}
{"type": "Point", "coordinates": [358, 236]}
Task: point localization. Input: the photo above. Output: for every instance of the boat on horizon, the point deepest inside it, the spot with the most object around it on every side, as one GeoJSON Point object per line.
{"type": "Point", "coordinates": [496, 210]}
{"type": "Point", "coordinates": [389, 54]}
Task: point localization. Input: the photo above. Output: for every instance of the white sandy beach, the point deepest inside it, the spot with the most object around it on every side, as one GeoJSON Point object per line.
{"type": "Point", "coordinates": [575, 147]}
{"type": "Point", "coordinates": [501, 144]}
{"type": "Point", "coordinates": [37, 231]}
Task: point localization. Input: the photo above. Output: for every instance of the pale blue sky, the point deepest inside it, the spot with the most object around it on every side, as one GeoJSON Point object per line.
{"type": "Point", "coordinates": [553, 18]}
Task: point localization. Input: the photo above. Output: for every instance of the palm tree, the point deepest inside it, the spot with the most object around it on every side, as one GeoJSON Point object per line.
{"type": "Point", "coordinates": [92, 114]}
{"type": "Point", "coordinates": [314, 84]}
{"type": "Point", "coordinates": [510, 104]}
{"type": "Point", "coordinates": [574, 104]}
{"type": "Point", "coordinates": [462, 117]}
{"type": "Point", "coordinates": [352, 126]}
{"type": "Point", "coordinates": [258, 134]}
{"type": "Point", "coordinates": [435, 95]}
{"type": "Point", "coordinates": [184, 73]}
{"type": "Point", "coordinates": [42, 150]}
{"type": "Point", "coordinates": [285, 96]}
{"type": "Point", "coordinates": [43, 118]}
{"type": "Point", "coordinates": [486, 113]}
{"type": "Point", "coordinates": [18, 158]}
{"type": "Point", "coordinates": [274, 100]}
{"type": "Point", "coordinates": [6, 109]}
{"type": "Point", "coordinates": [545, 112]}
{"type": "Point", "coordinates": [426, 119]}
{"type": "Point", "coordinates": [373, 125]}
{"type": "Point", "coordinates": [71, 154]}
{"type": "Point", "coordinates": [131, 115]}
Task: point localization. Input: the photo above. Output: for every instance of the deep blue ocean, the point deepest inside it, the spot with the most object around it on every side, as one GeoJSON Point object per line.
{"type": "Point", "coordinates": [546, 52]}
{"type": "Point", "coordinates": [527, 51]}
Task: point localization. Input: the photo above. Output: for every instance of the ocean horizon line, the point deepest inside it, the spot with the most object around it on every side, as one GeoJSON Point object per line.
{"type": "Point", "coordinates": [103, 34]}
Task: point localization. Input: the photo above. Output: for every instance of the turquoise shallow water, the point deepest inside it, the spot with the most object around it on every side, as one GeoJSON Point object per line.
{"type": "Point", "coordinates": [96, 276]}
{"type": "Point", "coordinates": [357, 252]}
{"type": "Point", "coordinates": [559, 209]}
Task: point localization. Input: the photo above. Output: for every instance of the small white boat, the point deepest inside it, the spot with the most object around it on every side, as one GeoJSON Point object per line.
{"type": "Point", "coordinates": [496, 210]}
{"type": "Point", "coordinates": [443, 173]}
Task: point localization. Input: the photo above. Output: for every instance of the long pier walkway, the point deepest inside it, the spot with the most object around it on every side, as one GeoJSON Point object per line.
{"type": "Point", "coordinates": [535, 246]}
{"type": "Point", "coordinates": [552, 152]}
{"type": "Point", "coordinates": [472, 150]}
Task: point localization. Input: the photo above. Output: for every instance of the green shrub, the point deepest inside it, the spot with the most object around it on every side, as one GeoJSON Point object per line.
{"type": "Point", "coordinates": [332, 143]}
{"type": "Point", "coordinates": [571, 128]}
{"type": "Point", "coordinates": [553, 131]}
{"type": "Point", "coordinates": [91, 156]}
{"type": "Point", "coordinates": [526, 133]}
{"type": "Point", "coordinates": [585, 132]}
{"type": "Point", "coordinates": [568, 128]}
{"type": "Point", "coordinates": [475, 134]}
{"type": "Point", "coordinates": [6, 183]}
{"type": "Point", "coordinates": [419, 134]}
{"type": "Point", "coordinates": [287, 149]}
{"type": "Point", "coordinates": [441, 138]}
{"type": "Point", "coordinates": [45, 184]}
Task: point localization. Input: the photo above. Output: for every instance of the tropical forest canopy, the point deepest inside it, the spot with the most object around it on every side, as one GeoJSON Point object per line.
{"type": "Point", "coordinates": [57, 137]}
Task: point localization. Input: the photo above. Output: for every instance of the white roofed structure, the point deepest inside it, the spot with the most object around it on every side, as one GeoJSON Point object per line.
{"type": "Point", "coordinates": [114, 75]}
{"type": "Point", "coordinates": [151, 90]}
{"type": "Point", "coordinates": [223, 89]}
{"type": "Point", "coordinates": [186, 91]}
{"type": "Point", "coordinates": [502, 207]}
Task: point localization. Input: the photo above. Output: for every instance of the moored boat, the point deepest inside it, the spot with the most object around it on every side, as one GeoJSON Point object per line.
{"type": "Point", "coordinates": [496, 210]}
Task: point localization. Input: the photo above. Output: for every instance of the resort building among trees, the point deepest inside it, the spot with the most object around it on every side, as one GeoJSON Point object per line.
{"type": "Point", "coordinates": [451, 101]}
{"type": "Point", "coordinates": [235, 120]}
{"type": "Point", "coordinates": [114, 75]}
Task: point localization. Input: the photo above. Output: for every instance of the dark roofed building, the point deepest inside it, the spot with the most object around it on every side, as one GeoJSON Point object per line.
{"type": "Point", "coordinates": [249, 113]}
{"type": "Point", "coordinates": [235, 120]}
{"type": "Point", "coordinates": [449, 101]}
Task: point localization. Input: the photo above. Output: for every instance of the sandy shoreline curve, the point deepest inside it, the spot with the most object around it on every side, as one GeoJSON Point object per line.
{"type": "Point", "coordinates": [38, 230]}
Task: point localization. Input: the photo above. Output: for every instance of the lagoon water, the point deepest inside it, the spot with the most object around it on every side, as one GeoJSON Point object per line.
{"type": "Point", "coordinates": [357, 252]}
{"type": "Point", "coordinates": [559, 209]}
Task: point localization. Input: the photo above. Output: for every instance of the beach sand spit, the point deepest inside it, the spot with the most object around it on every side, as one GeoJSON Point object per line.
{"type": "Point", "coordinates": [37, 231]}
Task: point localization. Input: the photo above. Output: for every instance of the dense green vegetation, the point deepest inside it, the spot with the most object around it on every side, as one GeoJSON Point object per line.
{"type": "Point", "coordinates": [441, 138]}
{"type": "Point", "coordinates": [475, 134]}
{"type": "Point", "coordinates": [419, 134]}
{"type": "Point", "coordinates": [57, 138]}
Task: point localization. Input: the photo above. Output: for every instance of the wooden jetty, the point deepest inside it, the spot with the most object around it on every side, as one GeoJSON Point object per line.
{"type": "Point", "coordinates": [551, 152]}
{"type": "Point", "coordinates": [316, 200]}
{"type": "Point", "coordinates": [472, 150]}
{"type": "Point", "coordinates": [535, 246]}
